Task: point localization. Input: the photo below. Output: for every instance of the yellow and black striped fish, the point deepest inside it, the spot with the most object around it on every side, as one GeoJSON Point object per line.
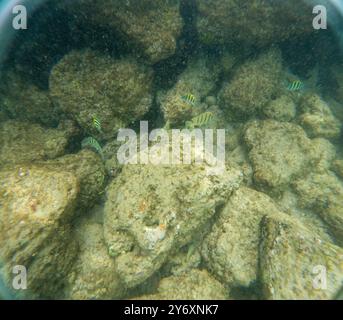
{"type": "Point", "coordinates": [97, 124]}
{"type": "Point", "coordinates": [295, 85]}
{"type": "Point", "coordinates": [189, 98]}
{"type": "Point", "coordinates": [91, 143]}
{"type": "Point", "coordinates": [200, 120]}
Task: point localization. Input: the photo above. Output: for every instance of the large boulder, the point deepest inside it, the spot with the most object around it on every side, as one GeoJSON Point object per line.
{"type": "Point", "coordinates": [296, 264]}
{"type": "Point", "coordinates": [150, 26]}
{"type": "Point", "coordinates": [253, 85]}
{"type": "Point", "coordinates": [25, 142]}
{"type": "Point", "coordinates": [88, 84]}
{"type": "Point", "coordinates": [252, 22]}
{"type": "Point", "coordinates": [93, 275]}
{"type": "Point", "coordinates": [152, 211]}
{"type": "Point", "coordinates": [37, 206]}
{"type": "Point", "coordinates": [281, 151]}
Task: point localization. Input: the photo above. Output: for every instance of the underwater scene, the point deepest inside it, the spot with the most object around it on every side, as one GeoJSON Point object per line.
{"type": "Point", "coordinates": [171, 149]}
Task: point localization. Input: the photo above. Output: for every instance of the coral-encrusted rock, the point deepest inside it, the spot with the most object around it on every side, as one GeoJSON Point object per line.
{"type": "Point", "coordinates": [230, 250]}
{"type": "Point", "coordinates": [281, 109]}
{"type": "Point", "coordinates": [152, 211]}
{"type": "Point", "coordinates": [93, 275]}
{"type": "Point", "coordinates": [281, 151]}
{"type": "Point", "coordinates": [317, 118]}
{"type": "Point", "coordinates": [338, 167]}
{"type": "Point", "coordinates": [195, 285]}
{"type": "Point", "coordinates": [24, 142]}
{"type": "Point", "coordinates": [24, 101]}
{"type": "Point", "coordinates": [252, 22]}
{"type": "Point", "coordinates": [323, 193]}
{"type": "Point", "coordinates": [152, 26]}
{"type": "Point", "coordinates": [37, 206]}
{"type": "Point", "coordinates": [292, 262]}
{"type": "Point", "coordinates": [88, 84]}
{"type": "Point", "coordinates": [87, 166]}
{"type": "Point", "coordinates": [253, 85]}
{"type": "Point", "coordinates": [198, 79]}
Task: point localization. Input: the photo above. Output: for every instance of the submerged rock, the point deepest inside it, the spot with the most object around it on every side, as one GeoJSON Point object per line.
{"type": "Point", "coordinates": [37, 206]}
{"type": "Point", "coordinates": [280, 152]}
{"type": "Point", "coordinates": [24, 101]}
{"type": "Point", "coordinates": [253, 85]}
{"type": "Point", "coordinates": [296, 264]}
{"type": "Point", "coordinates": [198, 79]}
{"type": "Point", "coordinates": [252, 22]}
{"type": "Point", "coordinates": [24, 142]}
{"type": "Point", "coordinates": [88, 84]}
{"type": "Point", "coordinates": [338, 167]}
{"type": "Point", "coordinates": [93, 275]}
{"type": "Point", "coordinates": [153, 211]}
{"type": "Point", "coordinates": [280, 109]}
{"type": "Point", "coordinates": [151, 26]}
{"type": "Point", "coordinates": [195, 285]}
{"type": "Point", "coordinates": [323, 193]}
{"type": "Point", "coordinates": [89, 170]}
{"type": "Point", "coordinates": [230, 250]}
{"type": "Point", "coordinates": [317, 118]}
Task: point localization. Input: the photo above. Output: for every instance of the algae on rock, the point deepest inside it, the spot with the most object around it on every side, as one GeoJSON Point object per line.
{"type": "Point", "coordinates": [281, 152]}
{"type": "Point", "coordinates": [199, 79]}
{"type": "Point", "coordinates": [153, 211]}
{"type": "Point", "coordinates": [152, 27]}
{"type": "Point", "coordinates": [25, 142]}
{"type": "Point", "coordinates": [37, 206]}
{"type": "Point", "coordinates": [88, 84]}
{"type": "Point", "coordinates": [256, 23]}
{"type": "Point", "coordinates": [253, 85]}
{"type": "Point", "coordinates": [292, 258]}
{"type": "Point", "coordinates": [93, 275]}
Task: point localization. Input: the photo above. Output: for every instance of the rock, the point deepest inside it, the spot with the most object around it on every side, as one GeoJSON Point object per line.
{"type": "Point", "coordinates": [153, 211]}
{"type": "Point", "coordinates": [199, 79]}
{"type": "Point", "coordinates": [26, 102]}
{"type": "Point", "coordinates": [280, 109]}
{"type": "Point", "coordinates": [317, 118]}
{"type": "Point", "coordinates": [230, 250]}
{"type": "Point", "coordinates": [93, 275]}
{"type": "Point", "coordinates": [150, 26]}
{"type": "Point", "coordinates": [293, 259]}
{"type": "Point", "coordinates": [88, 84]}
{"type": "Point", "coordinates": [281, 151]}
{"type": "Point", "coordinates": [256, 22]}
{"type": "Point", "coordinates": [186, 259]}
{"type": "Point", "coordinates": [24, 142]}
{"type": "Point", "coordinates": [323, 193]}
{"type": "Point", "coordinates": [87, 166]}
{"type": "Point", "coordinates": [211, 101]}
{"type": "Point", "coordinates": [253, 85]}
{"type": "Point", "coordinates": [37, 206]}
{"type": "Point", "coordinates": [195, 285]}
{"type": "Point", "coordinates": [338, 167]}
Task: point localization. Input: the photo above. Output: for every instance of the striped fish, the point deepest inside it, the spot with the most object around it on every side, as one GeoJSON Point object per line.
{"type": "Point", "coordinates": [91, 143]}
{"type": "Point", "coordinates": [200, 120]}
{"type": "Point", "coordinates": [189, 98]}
{"type": "Point", "coordinates": [295, 85]}
{"type": "Point", "coordinates": [97, 124]}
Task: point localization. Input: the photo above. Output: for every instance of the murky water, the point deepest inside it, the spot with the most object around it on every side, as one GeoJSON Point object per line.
{"type": "Point", "coordinates": [171, 149]}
